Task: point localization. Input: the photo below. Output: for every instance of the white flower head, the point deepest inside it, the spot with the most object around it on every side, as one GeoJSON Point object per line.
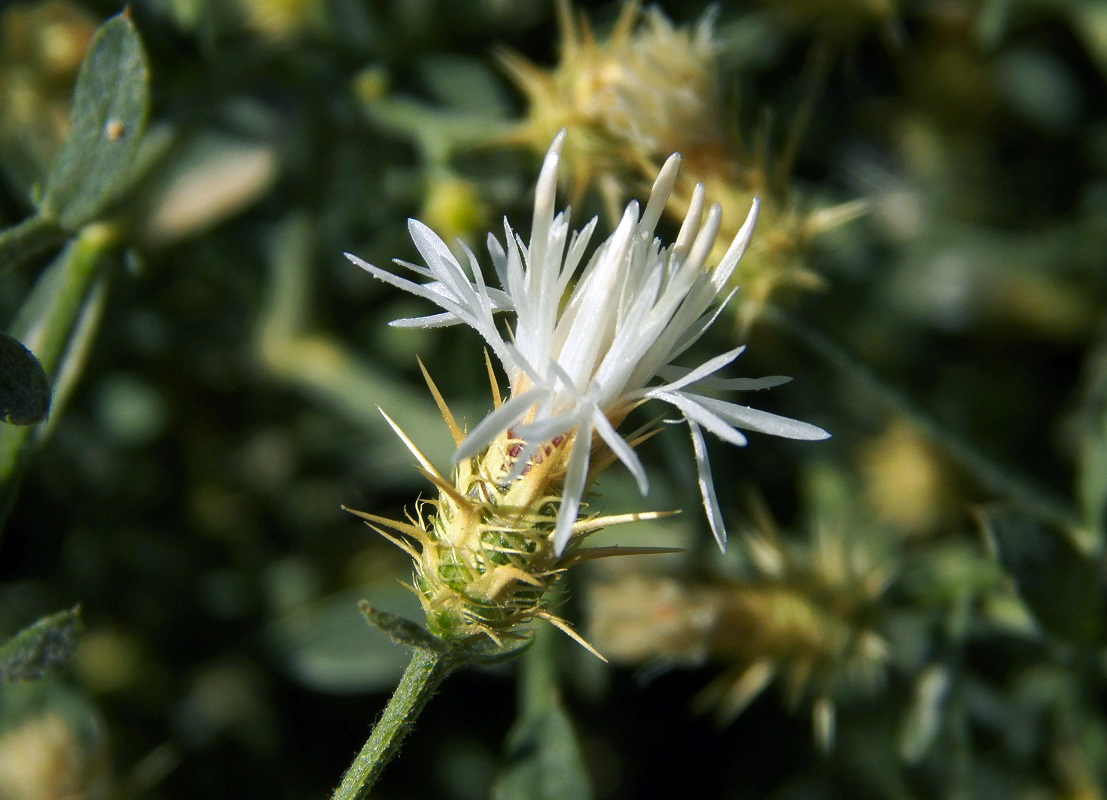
{"type": "Point", "coordinates": [589, 343]}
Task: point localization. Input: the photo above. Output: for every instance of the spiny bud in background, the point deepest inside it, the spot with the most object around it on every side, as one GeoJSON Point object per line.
{"type": "Point", "coordinates": [590, 339]}
{"type": "Point", "coordinates": [647, 90]}
{"type": "Point", "coordinates": [804, 616]}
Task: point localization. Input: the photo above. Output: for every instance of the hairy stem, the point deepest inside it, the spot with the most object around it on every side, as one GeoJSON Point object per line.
{"type": "Point", "coordinates": [421, 679]}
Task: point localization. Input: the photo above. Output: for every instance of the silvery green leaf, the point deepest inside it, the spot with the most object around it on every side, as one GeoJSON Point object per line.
{"type": "Point", "coordinates": [107, 119]}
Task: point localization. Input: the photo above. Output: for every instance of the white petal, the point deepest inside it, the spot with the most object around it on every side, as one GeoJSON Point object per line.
{"type": "Point", "coordinates": [704, 370]}
{"type": "Point", "coordinates": [763, 421]}
{"type": "Point", "coordinates": [737, 247]}
{"type": "Point", "coordinates": [691, 225]}
{"type": "Point", "coordinates": [499, 257]}
{"type": "Point", "coordinates": [432, 321]}
{"type": "Point", "coordinates": [576, 473]}
{"type": "Point", "coordinates": [417, 268]}
{"type": "Point", "coordinates": [707, 486]}
{"type": "Point", "coordinates": [623, 451]}
{"type": "Point", "coordinates": [659, 195]}
{"type": "Point", "coordinates": [544, 197]}
{"type": "Point", "coordinates": [436, 254]}
{"type": "Point", "coordinates": [728, 384]}
{"type": "Point", "coordinates": [694, 411]}
{"type": "Point", "coordinates": [705, 239]}
{"type": "Point", "coordinates": [429, 291]}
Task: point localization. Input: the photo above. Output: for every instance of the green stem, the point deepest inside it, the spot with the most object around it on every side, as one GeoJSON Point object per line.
{"type": "Point", "coordinates": [55, 323]}
{"type": "Point", "coordinates": [27, 239]}
{"type": "Point", "coordinates": [421, 679]}
{"type": "Point", "coordinates": [1001, 479]}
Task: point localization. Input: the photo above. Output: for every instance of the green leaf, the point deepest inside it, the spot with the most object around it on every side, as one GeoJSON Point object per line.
{"type": "Point", "coordinates": [40, 648]}
{"type": "Point", "coordinates": [107, 119]}
{"type": "Point", "coordinates": [545, 759]}
{"type": "Point", "coordinates": [1062, 587]}
{"type": "Point", "coordinates": [24, 388]}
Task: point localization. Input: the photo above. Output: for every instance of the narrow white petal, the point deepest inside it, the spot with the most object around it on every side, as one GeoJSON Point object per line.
{"type": "Point", "coordinates": [705, 239]}
{"type": "Point", "coordinates": [703, 370]}
{"type": "Point", "coordinates": [429, 291]}
{"type": "Point", "coordinates": [737, 247]}
{"type": "Point", "coordinates": [575, 476]}
{"type": "Point", "coordinates": [432, 321]}
{"type": "Point", "coordinates": [623, 451]}
{"type": "Point", "coordinates": [691, 225]}
{"type": "Point", "coordinates": [499, 258]}
{"type": "Point", "coordinates": [544, 197]}
{"type": "Point", "coordinates": [437, 255]}
{"type": "Point", "coordinates": [729, 384]}
{"type": "Point", "coordinates": [416, 268]}
{"type": "Point", "coordinates": [707, 486]}
{"type": "Point", "coordinates": [478, 275]}
{"type": "Point", "coordinates": [659, 196]}
{"type": "Point", "coordinates": [591, 309]}
{"type": "Point", "coordinates": [577, 247]}
{"type": "Point", "coordinates": [763, 421]}
{"type": "Point", "coordinates": [695, 411]}
{"type": "Point", "coordinates": [516, 280]}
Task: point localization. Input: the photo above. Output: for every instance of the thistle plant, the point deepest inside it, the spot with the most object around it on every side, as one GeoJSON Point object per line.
{"type": "Point", "coordinates": [590, 340]}
{"type": "Point", "coordinates": [184, 404]}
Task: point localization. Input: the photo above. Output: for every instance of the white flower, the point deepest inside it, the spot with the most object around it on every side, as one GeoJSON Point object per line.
{"type": "Point", "coordinates": [582, 354]}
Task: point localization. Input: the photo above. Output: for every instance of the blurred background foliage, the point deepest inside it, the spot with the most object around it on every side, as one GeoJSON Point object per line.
{"type": "Point", "coordinates": [913, 609]}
